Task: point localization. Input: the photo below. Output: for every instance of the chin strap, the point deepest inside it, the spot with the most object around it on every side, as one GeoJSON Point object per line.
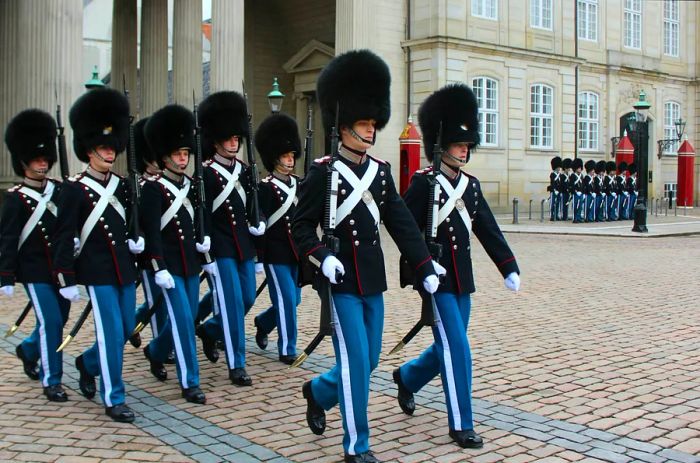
{"type": "Point", "coordinates": [363, 140]}
{"type": "Point", "coordinates": [103, 159]}
{"type": "Point", "coordinates": [457, 160]}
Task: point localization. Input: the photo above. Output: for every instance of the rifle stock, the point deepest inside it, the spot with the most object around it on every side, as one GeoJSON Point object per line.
{"type": "Point", "coordinates": [309, 141]}
{"type": "Point", "coordinates": [133, 174]}
{"type": "Point", "coordinates": [252, 166]}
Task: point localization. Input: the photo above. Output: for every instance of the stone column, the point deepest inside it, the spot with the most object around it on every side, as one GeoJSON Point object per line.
{"type": "Point", "coordinates": [153, 79]}
{"type": "Point", "coordinates": [227, 45]}
{"type": "Point", "coordinates": [355, 24]}
{"type": "Point", "coordinates": [9, 80]}
{"type": "Point", "coordinates": [187, 51]}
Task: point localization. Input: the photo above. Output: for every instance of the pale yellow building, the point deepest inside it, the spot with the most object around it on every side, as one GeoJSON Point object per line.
{"type": "Point", "coordinates": [532, 62]}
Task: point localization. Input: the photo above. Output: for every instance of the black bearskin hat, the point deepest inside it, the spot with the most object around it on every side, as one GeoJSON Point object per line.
{"type": "Point", "coordinates": [359, 82]}
{"type": "Point", "coordinates": [566, 163]}
{"type": "Point", "coordinates": [142, 150]}
{"type": "Point", "coordinates": [577, 164]}
{"type": "Point", "coordinates": [169, 129]}
{"type": "Point", "coordinates": [221, 116]}
{"type": "Point", "coordinates": [31, 134]}
{"type": "Point", "coordinates": [622, 167]}
{"type": "Point", "coordinates": [600, 167]}
{"type": "Point", "coordinates": [277, 135]}
{"type": "Point", "coordinates": [555, 162]}
{"type": "Point", "coordinates": [590, 165]}
{"type": "Point", "coordinates": [99, 117]}
{"type": "Point", "coordinates": [610, 166]}
{"type": "Point", "coordinates": [632, 168]}
{"type": "Point", "coordinates": [454, 106]}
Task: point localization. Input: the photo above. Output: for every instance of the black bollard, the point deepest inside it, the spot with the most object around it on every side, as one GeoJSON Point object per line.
{"type": "Point", "coordinates": [515, 210]}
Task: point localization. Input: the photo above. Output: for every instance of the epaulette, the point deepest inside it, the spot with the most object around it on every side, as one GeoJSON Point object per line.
{"type": "Point", "coordinates": [14, 188]}
{"type": "Point", "coordinates": [380, 161]}
{"type": "Point", "coordinates": [425, 170]}
{"type": "Point", "coordinates": [295, 176]}
{"type": "Point", "coordinates": [76, 177]}
{"type": "Point", "coordinates": [208, 162]}
{"type": "Point", "coordinates": [266, 179]}
{"type": "Point", "coordinates": [323, 160]}
{"type": "Point", "coordinates": [471, 177]}
{"type": "Point", "coordinates": [245, 164]}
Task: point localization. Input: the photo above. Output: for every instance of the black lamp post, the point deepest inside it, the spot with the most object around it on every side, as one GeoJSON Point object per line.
{"type": "Point", "coordinates": [640, 127]}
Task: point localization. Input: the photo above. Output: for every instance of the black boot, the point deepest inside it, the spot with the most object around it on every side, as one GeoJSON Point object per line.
{"type": "Point", "coordinates": [208, 344]}
{"type": "Point", "coordinates": [55, 393]}
{"type": "Point", "coordinates": [194, 395]}
{"type": "Point", "coordinates": [86, 382]}
{"type": "Point", "coordinates": [260, 335]}
{"type": "Point", "coordinates": [405, 397]}
{"type": "Point", "coordinates": [121, 413]}
{"type": "Point", "coordinates": [157, 368]}
{"type": "Point", "coordinates": [315, 414]}
{"type": "Point", "coordinates": [288, 359]}
{"type": "Point", "coordinates": [367, 457]}
{"type": "Point", "coordinates": [239, 377]}
{"type": "Point", "coordinates": [467, 439]}
{"type": "Point", "coordinates": [171, 358]}
{"type": "Point", "coordinates": [31, 368]}
{"type": "Point", "coordinates": [135, 340]}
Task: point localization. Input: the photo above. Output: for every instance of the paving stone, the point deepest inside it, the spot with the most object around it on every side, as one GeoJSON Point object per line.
{"type": "Point", "coordinates": [607, 455]}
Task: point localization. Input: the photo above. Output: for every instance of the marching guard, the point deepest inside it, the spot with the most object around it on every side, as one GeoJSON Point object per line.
{"type": "Point", "coordinates": [27, 222]}
{"type": "Point", "coordinates": [600, 202]}
{"type": "Point", "coordinates": [632, 188]}
{"type": "Point", "coordinates": [277, 141]}
{"type": "Point", "coordinates": [624, 195]}
{"type": "Point", "coordinates": [463, 213]}
{"type": "Point", "coordinates": [566, 191]}
{"type": "Point", "coordinates": [576, 188]}
{"type": "Point", "coordinates": [95, 205]}
{"type": "Point", "coordinates": [227, 184]}
{"type": "Point", "coordinates": [554, 189]}
{"type": "Point", "coordinates": [589, 190]}
{"type": "Point", "coordinates": [168, 219]}
{"type": "Point", "coordinates": [611, 190]}
{"type": "Point", "coordinates": [353, 89]}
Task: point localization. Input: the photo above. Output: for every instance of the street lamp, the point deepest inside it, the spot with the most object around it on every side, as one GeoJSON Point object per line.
{"type": "Point", "coordinates": [666, 143]}
{"type": "Point", "coordinates": [275, 97]}
{"type": "Point", "coordinates": [640, 128]}
{"type": "Point", "coordinates": [95, 81]}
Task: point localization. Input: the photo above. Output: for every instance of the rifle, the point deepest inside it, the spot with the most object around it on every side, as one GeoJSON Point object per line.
{"type": "Point", "coordinates": [62, 154]}
{"type": "Point", "coordinates": [254, 205]}
{"type": "Point", "coordinates": [199, 178]}
{"type": "Point", "coordinates": [309, 141]}
{"type": "Point", "coordinates": [332, 243]}
{"type": "Point", "coordinates": [134, 175]}
{"type": "Point", "coordinates": [427, 316]}
{"type": "Point", "coordinates": [20, 319]}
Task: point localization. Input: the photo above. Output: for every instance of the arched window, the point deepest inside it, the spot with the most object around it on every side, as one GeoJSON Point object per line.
{"type": "Point", "coordinates": [486, 91]}
{"type": "Point", "coordinates": [588, 121]}
{"type": "Point", "coordinates": [541, 116]}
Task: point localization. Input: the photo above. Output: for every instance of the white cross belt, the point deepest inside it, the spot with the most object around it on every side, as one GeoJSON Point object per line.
{"type": "Point", "coordinates": [359, 186]}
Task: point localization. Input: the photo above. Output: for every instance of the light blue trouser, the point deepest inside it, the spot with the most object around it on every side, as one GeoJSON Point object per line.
{"type": "Point", "coordinates": [590, 207]}
{"type": "Point", "coordinates": [612, 206]}
{"type": "Point", "coordinates": [152, 291]}
{"type": "Point", "coordinates": [630, 206]}
{"type": "Point", "coordinates": [450, 356]}
{"type": "Point", "coordinates": [565, 196]}
{"type": "Point", "coordinates": [579, 203]}
{"type": "Point", "coordinates": [357, 341]}
{"type": "Point", "coordinates": [206, 303]}
{"type": "Point", "coordinates": [178, 331]}
{"type": "Point", "coordinates": [554, 205]}
{"type": "Point", "coordinates": [285, 296]}
{"type": "Point", "coordinates": [600, 210]}
{"type": "Point", "coordinates": [113, 308]}
{"type": "Point", "coordinates": [235, 294]}
{"type": "Point", "coordinates": [51, 311]}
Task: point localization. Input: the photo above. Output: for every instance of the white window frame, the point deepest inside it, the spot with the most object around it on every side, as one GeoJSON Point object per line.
{"type": "Point", "coordinates": [541, 116]}
{"type": "Point", "coordinates": [672, 112]}
{"type": "Point", "coordinates": [541, 13]}
{"type": "Point", "coordinates": [671, 186]}
{"type": "Point", "coordinates": [588, 121]}
{"type": "Point", "coordinates": [633, 24]}
{"type": "Point", "coordinates": [486, 92]}
{"type": "Point", "coordinates": [672, 28]}
{"type": "Point", "coordinates": [587, 27]}
{"type": "Point", "coordinates": [487, 9]}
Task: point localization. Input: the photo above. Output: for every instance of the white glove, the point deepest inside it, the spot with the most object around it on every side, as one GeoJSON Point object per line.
{"type": "Point", "coordinates": [578, 193]}
{"type": "Point", "coordinates": [164, 279]}
{"type": "Point", "coordinates": [593, 194]}
{"type": "Point", "coordinates": [8, 290]}
{"type": "Point", "coordinates": [512, 282]}
{"type": "Point", "coordinates": [330, 265]}
{"type": "Point", "coordinates": [439, 269]}
{"type": "Point", "coordinates": [204, 246]}
{"type": "Point", "coordinates": [257, 231]}
{"type": "Point", "coordinates": [431, 283]}
{"type": "Point", "coordinates": [71, 293]}
{"type": "Point", "coordinates": [76, 244]}
{"type": "Point", "coordinates": [259, 268]}
{"type": "Point", "coordinates": [210, 268]}
{"type": "Point", "coordinates": [137, 247]}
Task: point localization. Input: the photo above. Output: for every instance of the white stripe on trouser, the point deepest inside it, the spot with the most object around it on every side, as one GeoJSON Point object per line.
{"type": "Point", "coordinates": [345, 380]}
{"type": "Point", "coordinates": [179, 353]}
{"type": "Point", "coordinates": [102, 347]}
{"type": "Point", "coordinates": [450, 377]}
{"type": "Point", "coordinates": [149, 302]}
{"type": "Point", "coordinates": [219, 294]}
{"type": "Point", "coordinates": [44, 348]}
{"type": "Point", "coordinates": [282, 328]}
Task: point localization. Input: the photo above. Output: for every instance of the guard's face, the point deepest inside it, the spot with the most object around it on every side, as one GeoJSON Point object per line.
{"type": "Point", "coordinates": [102, 158]}
{"type": "Point", "coordinates": [178, 160]}
{"type": "Point", "coordinates": [37, 168]}
{"type": "Point", "coordinates": [365, 129]}
{"type": "Point", "coordinates": [285, 163]}
{"type": "Point", "coordinates": [457, 154]}
{"type": "Point", "coordinates": [229, 147]}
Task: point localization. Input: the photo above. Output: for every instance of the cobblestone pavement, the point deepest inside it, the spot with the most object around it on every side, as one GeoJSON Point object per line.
{"type": "Point", "coordinates": [596, 359]}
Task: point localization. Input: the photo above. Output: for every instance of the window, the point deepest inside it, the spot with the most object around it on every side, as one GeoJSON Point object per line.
{"type": "Point", "coordinates": [486, 91]}
{"type": "Point", "coordinates": [672, 27]}
{"type": "Point", "coordinates": [633, 23]}
{"type": "Point", "coordinates": [485, 8]}
{"type": "Point", "coordinates": [541, 116]}
{"type": "Point", "coordinates": [588, 19]}
{"type": "Point", "coordinates": [588, 121]}
{"type": "Point", "coordinates": [671, 187]}
{"type": "Point", "coordinates": [541, 14]}
{"type": "Point", "coordinates": [672, 112]}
